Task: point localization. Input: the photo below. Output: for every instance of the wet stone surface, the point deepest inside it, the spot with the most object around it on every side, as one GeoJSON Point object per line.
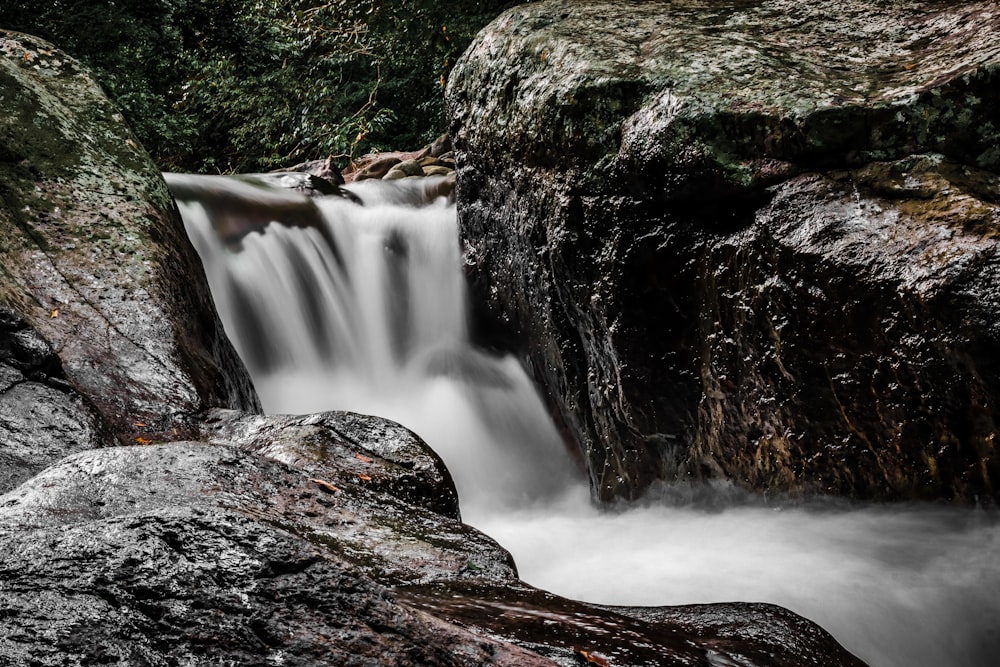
{"type": "Point", "coordinates": [188, 551]}
{"type": "Point", "coordinates": [42, 418]}
{"type": "Point", "coordinates": [749, 241]}
{"type": "Point", "coordinates": [95, 257]}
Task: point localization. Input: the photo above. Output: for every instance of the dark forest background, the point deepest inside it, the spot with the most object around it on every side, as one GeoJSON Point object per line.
{"type": "Point", "coordinates": [250, 85]}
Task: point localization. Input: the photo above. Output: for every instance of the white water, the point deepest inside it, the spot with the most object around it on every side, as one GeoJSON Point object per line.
{"type": "Point", "coordinates": [384, 333]}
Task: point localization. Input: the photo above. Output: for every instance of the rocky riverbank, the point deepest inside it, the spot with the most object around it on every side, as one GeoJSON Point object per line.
{"type": "Point", "coordinates": [150, 515]}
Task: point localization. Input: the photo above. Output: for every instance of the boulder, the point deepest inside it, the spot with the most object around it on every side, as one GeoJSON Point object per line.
{"type": "Point", "coordinates": [377, 167]}
{"type": "Point", "coordinates": [396, 165]}
{"type": "Point", "coordinates": [187, 553]}
{"type": "Point", "coordinates": [195, 552]}
{"type": "Point", "coordinates": [95, 260]}
{"type": "Point", "coordinates": [404, 169]}
{"type": "Point", "coordinates": [440, 146]}
{"type": "Point", "coordinates": [437, 170]}
{"type": "Point", "coordinates": [744, 240]}
{"type": "Point", "coordinates": [42, 418]}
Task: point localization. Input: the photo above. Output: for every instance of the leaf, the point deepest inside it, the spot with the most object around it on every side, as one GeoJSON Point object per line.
{"type": "Point", "coordinates": [592, 658]}
{"type": "Point", "coordinates": [364, 477]}
{"type": "Point", "coordinates": [54, 313]}
{"type": "Point", "coordinates": [138, 425]}
{"type": "Point", "coordinates": [323, 484]}
{"type": "Point", "coordinates": [362, 457]}
{"type": "Point", "coordinates": [143, 441]}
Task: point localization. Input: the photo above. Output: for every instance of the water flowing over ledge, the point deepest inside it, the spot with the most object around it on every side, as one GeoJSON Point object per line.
{"type": "Point", "coordinates": [361, 306]}
{"type": "Point", "coordinates": [363, 309]}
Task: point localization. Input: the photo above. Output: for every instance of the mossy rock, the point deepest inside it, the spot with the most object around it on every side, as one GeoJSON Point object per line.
{"type": "Point", "coordinates": [94, 255]}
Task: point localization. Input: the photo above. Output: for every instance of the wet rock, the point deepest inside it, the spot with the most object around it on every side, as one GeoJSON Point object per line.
{"type": "Point", "coordinates": [398, 165]}
{"type": "Point", "coordinates": [326, 501]}
{"type": "Point", "coordinates": [213, 552]}
{"type": "Point", "coordinates": [791, 639]}
{"type": "Point", "coordinates": [863, 298]}
{"type": "Point", "coordinates": [744, 240]}
{"type": "Point", "coordinates": [378, 167]}
{"type": "Point", "coordinates": [571, 632]}
{"type": "Point", "coordinates": [701, 99]}
{"type": "Point", "coordinates": [95, 257]}
{"type": "Point", "coordinates": [437, 170]}
{"type": "Point", "coordinates": [440, 146]}
{"type": "Point", "coordinates": [322, 169]}
{"type": "Point", "coordinates": [190, 585]}
{"type": "Point", "coordinates": [187, 550]}
{"type": "Point", "coordinates": [404, 169]}
{"type": "Point", "coordinates": [344, 448]}
{"type": "Point", "coordinates": [42, 418]}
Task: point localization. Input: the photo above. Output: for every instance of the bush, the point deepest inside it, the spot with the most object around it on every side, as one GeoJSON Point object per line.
{"type": "Point", "coordinates": [249, 85]}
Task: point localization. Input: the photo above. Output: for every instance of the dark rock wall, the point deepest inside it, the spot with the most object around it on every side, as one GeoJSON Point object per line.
{"type": "Point", "coordinates": [744, 240]}
{"type": "Point", "coordinates": [863, 322]}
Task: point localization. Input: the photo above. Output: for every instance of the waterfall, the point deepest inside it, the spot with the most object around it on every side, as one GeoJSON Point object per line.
{"type": "Point", "coordinates": [359, 304]}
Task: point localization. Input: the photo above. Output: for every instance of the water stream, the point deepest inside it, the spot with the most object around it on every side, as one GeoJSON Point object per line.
{"type": "Point", "coordinates": [362, 307]}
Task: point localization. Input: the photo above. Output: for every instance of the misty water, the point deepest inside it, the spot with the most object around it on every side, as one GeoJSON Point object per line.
{"type": "Point", "coordinates": [362, 307]}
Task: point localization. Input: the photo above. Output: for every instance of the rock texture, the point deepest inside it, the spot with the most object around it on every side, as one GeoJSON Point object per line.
{"type": "Point", "coordinates": [42, 418]}
{"type": "Point", "coordinates": [94, 259]}
{"type": "Point", "coordinates": [187, 553]}
{"type": "Point", "coordinates": [309, 540]}
{"type": "Point", "coordinates": [434, 159]}
{"type": "Point", "coordinates": [745, 240]}
{"type": "Point", "coordinates": [149, 516]}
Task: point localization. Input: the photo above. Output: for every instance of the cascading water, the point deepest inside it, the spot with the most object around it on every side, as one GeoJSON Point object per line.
{"type": "Point", "coordinates": [362, 307]}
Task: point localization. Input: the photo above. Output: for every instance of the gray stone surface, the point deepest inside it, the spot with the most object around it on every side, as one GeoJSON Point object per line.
{"type": "Point", "coordinates": [196, 553]}
{"type": "Point", "coordinates": [94, 255]}
{"type": "Point", "coordinates": [179, 554]}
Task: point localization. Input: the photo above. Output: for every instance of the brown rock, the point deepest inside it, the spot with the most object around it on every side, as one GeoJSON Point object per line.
{"type": "Point", "coordinates": [438, 171]}
{"type": "Point", "coordinates": [377, 168]}
{"type": "Point", "coordinates": [404, 169]}
{"type": "Point", "coordinates": [440, 146]}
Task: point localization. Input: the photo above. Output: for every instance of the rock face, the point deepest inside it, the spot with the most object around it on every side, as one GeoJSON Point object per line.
{"type": "Point", "coordinates": [745, 240]}
{"type": "Point", "coordinates": [190, 553]}
{"type": "Point", "coordinates": [41, 417]}
{"type": "Point", "coordinates": [94, 259]}
{"type": "Point", "coordinates": [149, 516]}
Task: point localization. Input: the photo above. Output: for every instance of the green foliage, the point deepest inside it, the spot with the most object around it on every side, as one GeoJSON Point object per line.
{"type": "Point", "coordinates": [245, 85]}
